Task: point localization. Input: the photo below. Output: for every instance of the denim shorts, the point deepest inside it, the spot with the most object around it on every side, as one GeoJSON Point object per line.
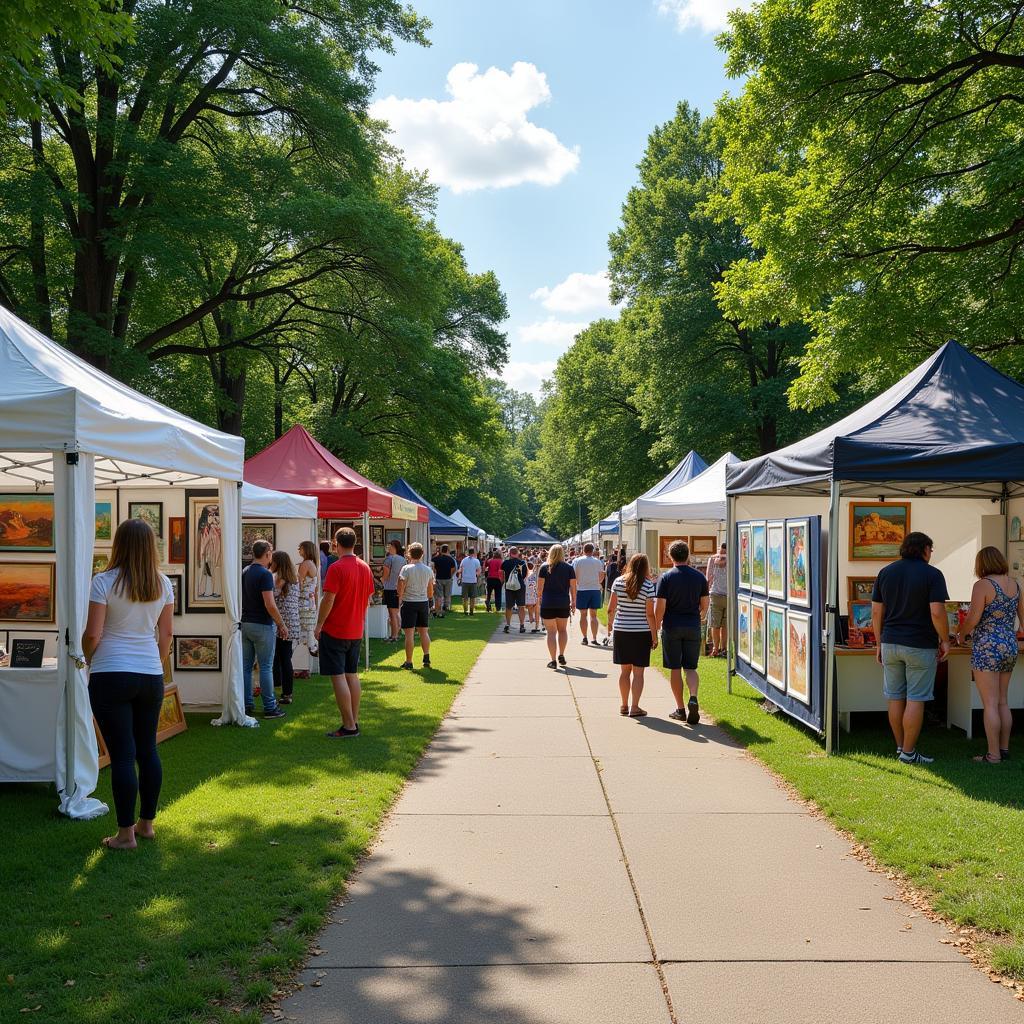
{"type": "Point", "coordinates": [587, 600]}
{"type": "Point", "coordinates": [908, 672]}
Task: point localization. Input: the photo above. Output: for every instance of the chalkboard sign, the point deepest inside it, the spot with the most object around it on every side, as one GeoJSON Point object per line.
{"type": "Point", "coordinates": [27, 653]}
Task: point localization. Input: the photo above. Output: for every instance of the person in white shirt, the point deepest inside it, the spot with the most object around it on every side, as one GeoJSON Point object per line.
{"type": "Point", "coordinates": [127, 639]}
{"type": "Point", "coordinates": [469, 581]}
{"type": "Point", "coordinates": [589, 590]}
{"type": "Point", "coordinates": [415, 592]}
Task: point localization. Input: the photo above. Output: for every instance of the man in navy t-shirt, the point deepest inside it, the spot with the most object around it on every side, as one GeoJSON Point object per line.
{"type": "Point", "coordinates": [261, 625]}
{"type": "Point", "coordinates": [682, 602]}
{"type": "Point", "coordinates": [444, 569]}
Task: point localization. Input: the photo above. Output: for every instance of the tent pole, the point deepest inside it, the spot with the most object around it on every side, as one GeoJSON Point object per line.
{"type": "Point", "coordinates": [366, 614]}
{"type": "Point", "coordinates": [730, 589]}
{"type": "Point", "coordinates": [831, 615]}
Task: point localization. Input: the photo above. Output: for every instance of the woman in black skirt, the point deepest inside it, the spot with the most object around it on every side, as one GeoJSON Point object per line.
{"type": "Point", "coordinates": [634, 634]}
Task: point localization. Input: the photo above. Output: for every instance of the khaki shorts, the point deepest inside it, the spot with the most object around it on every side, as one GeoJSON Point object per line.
{"type": "Point", "coordinates": [716, 611]}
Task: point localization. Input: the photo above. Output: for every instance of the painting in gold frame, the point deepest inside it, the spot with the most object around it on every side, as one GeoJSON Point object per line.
{"type": "Point", "coordinates": [28, 592]}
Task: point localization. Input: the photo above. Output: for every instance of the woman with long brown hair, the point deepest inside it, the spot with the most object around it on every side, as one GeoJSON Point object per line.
{"type": "Point", "coordinates": [308, 574]}
{"type": "Point", "coordinates": [286, 594]}
{"type": "Point", "coordinates": [634, 631]}
{"type": "Point", "coordinates": [127, 639]}
{"type": "Point", "coordinates": [556, 591]}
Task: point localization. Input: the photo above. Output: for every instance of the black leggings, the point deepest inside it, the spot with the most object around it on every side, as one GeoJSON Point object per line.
{"type": "Point", "coordinates": [127, 707]}
{"type": "Point", "coordinates": [494, 588]}
{"type": "Point", "coordinates": [284, 674]}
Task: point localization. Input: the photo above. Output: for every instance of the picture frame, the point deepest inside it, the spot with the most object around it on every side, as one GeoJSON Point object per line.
{"type": "Point", "coordinates": [204, 558]}
{"type": "Point", "coordinates": [664, 543]}
{"type": "Point", "coordinates": [758, 634]}
{"type": "Point", "coordinates": [26, 522]}
{"type": "Point", "coordinates": [703, 545]}
{"type": "Point", "coordinates": [151, 512]}
{"type": "Point", "coordinates": [105, 521]}
{"type": "Point", "coordinates": [27, 652]}
{"type": "Point", "coordinates": [28, 592]}
{"type": "Point", "coordinates": [377, 548]}
{"type": "Point", "coordinates": [877, 529]}
{"type": "Point", "coordinates": [100, 561]}
{"type": "Point", "coordinates": [197, 653]}
{"type": "Point", "coordinates": [390, 535]}
{"type": "Point", "coordinates": [253, 531]}
{"type": "Point", "coordinates": [172, 715]}
{"type": "Point", "coordinates": [101, 745]}
{"type": "Point", "coordinates": [176, 586]}
{"type": "Point", "coordinates": [1014, 529]}
{"type": "Point", "coordinates": [798, 655]}
{"type": "Point", "coordinates": [759, 558]}
{"type": "Point", "coordinates": [776, 554]}
{"type": "Point", "coordinates": [176, 529]}
{"type": "Point", "coordinates": [775, 660]}
{"type": "Point", "coordinates": [743, 628]}
{"type": "Point", "coordinates": [798, 570]}
{"type": "Point", "coordinates": [860, 588]}
{"type": "Point", "coordinates": [743, 548]}
{"type": "Point", "coordinates": [859, 621]}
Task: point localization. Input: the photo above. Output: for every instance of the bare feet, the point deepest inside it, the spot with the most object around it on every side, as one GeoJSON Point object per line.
{"type": "Point", "coordinates": [120, 842]}
{"type": "Point", "coordinates": [144, 829]}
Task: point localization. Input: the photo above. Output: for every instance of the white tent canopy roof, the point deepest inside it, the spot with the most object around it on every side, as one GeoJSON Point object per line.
{"type": "Point", "coordinates": [263, 503]}
{"type": "Point", "coordinates": [699, 499]}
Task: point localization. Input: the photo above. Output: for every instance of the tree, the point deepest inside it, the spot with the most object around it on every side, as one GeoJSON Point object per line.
{"type": "Point", "coordinates": [874, 159]}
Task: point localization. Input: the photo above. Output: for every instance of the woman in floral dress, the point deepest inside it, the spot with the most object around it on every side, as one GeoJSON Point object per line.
{"type": "Point", "coordinates": [309, 582]}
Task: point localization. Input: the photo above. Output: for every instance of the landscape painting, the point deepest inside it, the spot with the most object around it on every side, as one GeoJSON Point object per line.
{"type": "Point", "coordinates": [775, 671]}
{"type": "Point", "coordinates": [151, 512]}
{"type": "Point", "coordinates": [758, 558]}
{"type": "Point", "coordinates": [777, 560]}
{"type": "Point", "coordinates": [798, 656]}
{"type": "Point", "coordinates": [877, 530]}
{"type": "Point", "coordinates": [27, 592]}
{"type": "Point", "coordinates": [758, 633]}
{"type": "Point", "coordinates": [744, 555]}
{"type": "Point", "coordinates": [743, 628]}
{"type": "Point", "coordinates": [26, 522]}
{"type": "Point", "coordinates": [797, 578]}
{"type": "Point", "coordinates": [104, 522]}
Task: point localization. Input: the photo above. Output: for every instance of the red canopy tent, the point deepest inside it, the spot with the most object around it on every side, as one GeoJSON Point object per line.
{"type": "Point", "coordinates": [298, 464]}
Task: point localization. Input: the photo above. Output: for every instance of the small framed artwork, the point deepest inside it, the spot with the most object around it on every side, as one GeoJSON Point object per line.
{"type": "Point", "coordinates": [860, 622]}
{"type": "Point", "coordinates": [798, 589]}
{"type": "Point", "coordinates": [175, 578]}
{"type": "Point", "coordinates": [104, 521]}
{"type": "Point", "coordinates": [777, 560]}
{"type": "Point", "coordinates": [744, 555]}
{"type": "Point", "coordinates": [100, 561]}
{"type": "Point", "coordinates": [390, 535]}
{"type": "Point", "coordinates": [860, 588]}
{"type": "Point", "coordinates": [176, 540]}
{"type": "Point", "coordinates": [197, 653]}
{"type": "Point", "coordinates": [664, 543]}
{"type": "Point", "coordinates": [1014, 532]}
{"type": "Point", "coordinates": [27, 652]}
{"type": "Point", "coordinates": [252, 532]}
{"type": "Point", "coordinates": [26, 522]}
{"type": "Point", "coordinates": [27, 592]}
{"type": "Point", "coordinates": [798, 655]}
{"type": "Point", "coordinates": [151, 512]}
{"type": "Point", "coordinates": [758, 558]}
{"type": "Point", "coordinates": [775, 670]}
{"type": "Point", "coordinates": [172, 717]}
{"type": "Point", "coordinates": [703, 545]}
{"type": "Point", "coordinates": [877, 530]}
{"type": "Point", "coordinates": [758, 634]}
{"type": "Point", "coordinates": [743, 628]}
{"type": "Point", "coordinates": [377, 549]}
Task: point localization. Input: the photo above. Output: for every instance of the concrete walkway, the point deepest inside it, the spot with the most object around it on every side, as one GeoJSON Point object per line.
{"type": "Point", "coordinates": [553, 862]}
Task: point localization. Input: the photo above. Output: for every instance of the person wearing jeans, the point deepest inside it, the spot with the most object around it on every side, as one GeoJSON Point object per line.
{"type": "Point", "coordinates": [261, 625]}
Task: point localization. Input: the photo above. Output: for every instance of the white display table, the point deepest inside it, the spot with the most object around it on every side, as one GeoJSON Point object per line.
{"type": "Point", "coordinates": [28, 724]}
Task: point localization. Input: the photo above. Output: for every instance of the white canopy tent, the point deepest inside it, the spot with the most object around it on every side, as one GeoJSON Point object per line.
{"type": "Point", "coordinates": [66, 427]}
{"type": "Point", "coordinates": [263, 503]}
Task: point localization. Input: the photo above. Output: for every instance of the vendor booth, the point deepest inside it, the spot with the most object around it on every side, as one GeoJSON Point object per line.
{"type": "Point", "coordinates": [941, 452]}
{"type": "Point", "coordinates": [80, 451]}
{"type": "Point", "coordinates": [474, 535]}
{"type": "Point", "coordinates": [443, 529]}
{"type": "Point", "coordinates": [531, 535]}
{"type": "Point", "coordinates": [298, 464]}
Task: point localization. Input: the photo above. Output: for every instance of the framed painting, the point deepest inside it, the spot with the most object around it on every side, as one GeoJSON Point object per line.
{"type": "Point", "coordinates": [775, 669]}
{"type": "Point", "coordinates": [703, 545]}
{"type": "Point", "coordinates": [104, 535]}
{"type": "Point", "coordinates": [798, 655]}
{"type": "Point", "coordinates": [151, 512]}
{"type": "Point", "coordinates": [27, 592]}
{"type": "Point", "coordinates": [758, 558]}
{"type": "Point", "coordinates": [743, 628]}
{"type": "Point", "coordinates": [197, 653]}
{"type": "Point", "coordinates": [1014, 531]}
{"type": "Point", "coordinates": [100, 561]}
{"type": "Point", "coordinates": [172, 717]}
{"type": "Point", "coordinates": [252, 532]}
{"type": "Point", "coordinates": [176, 581]}
{"type": "Point", "coordinates": [743, 546]}
{"type": "Point", "coordinates": [877, 530]}
{"type": "Point", "coordinates": [860, 588]}
{"type": "Point", "coordinates": [777, 560]}
{"type": "Point", "coordinates": [377, 549]}
{"type": "Point", "coordinates": [664, 543]}
{"type": "Point", "coordinates": [101, 745]}
{"type": "Point", "coordinates": [204, 566]}
{"type": "Point", "coordinates": [390, 535]}
{"type": "Point", "coordinates": [26, 522]}
{"type": "Point", "coordinates": [860, 621]}
{"type": "Point", "coordinates": [798, 587]}
{"type": "Point", "coordinates": [176, 540]}
{"type": "Point", "coordinates": [758, 634]}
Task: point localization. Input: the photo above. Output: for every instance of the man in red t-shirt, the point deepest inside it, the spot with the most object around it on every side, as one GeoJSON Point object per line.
{"type": "Point", "coordinates": [348, 588]}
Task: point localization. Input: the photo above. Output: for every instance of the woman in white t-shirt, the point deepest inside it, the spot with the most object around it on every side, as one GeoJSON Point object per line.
{"type": "Point", "coordinates": [127, 637]}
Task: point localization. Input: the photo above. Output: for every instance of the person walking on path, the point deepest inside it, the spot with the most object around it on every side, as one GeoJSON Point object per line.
{"type": "Point", "coordinates": [309, 586]}
{"type": "Point", "coordinates": [531, 597]}
{"type": "Point", "coordinates": [127, 639]}
{"type": "Point", "coordinates": [908, 615]}
{"type": "Point", "coordinates": [445, 568]}
{"type": "Point", "coordinates": [718, 590]}
{"type": "Point", "coordinates": [261, 626]}
{"type": "Point", "coordinates": [682, 601]}
{"type": "Point", "coordinates": [415, 592]}
{"type": "Point", "coordinates": [589, 571]}
{"type": "Point", "coordinates": [513, 573]}
{"type": "Point", "coordinates": [392, 567]}
{"type": "Point", "coordinates": [494, 581]}
{"type": "Point", "coordinates": [611, 570]}
{"type": "Point", "coordinates": [634, 631]}
{"type": "Point", "coordinates": [348, 590]}
{"type": "Point", "coordinates": [286, 597]}
{"type": "Point", "coordinates": [469, 580]}
{"type": "Point", "coordinates": [556, 589]}
{"type": "Point", "coordinates": [997, 603]}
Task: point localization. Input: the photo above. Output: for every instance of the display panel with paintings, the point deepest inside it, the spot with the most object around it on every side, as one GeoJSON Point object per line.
{"type": "Point", "coordinates": [743, 547]}
{"type": "Point", "coordinates": [197, 653]}
{"type": "Point", "coordinates": [758, 558]}
{"type": "Point", "coordinates": [798, 590]}
{"type": "Point", "coordinates": [777, 560]}
{"type": "Point", "coordinates": [758, 630]}
{"type": "Point", "coordinates": [204, 569]}
{"type": "Point", "coordinates": [798, 655]}
{"type": "Point", "coordinates": [775, 669]}
{"type": "Point", "coordinates": [877, 530]}
{"type": "Point", "coordinates": [665, 541]}
{"type": "Point", "coordinates": [743, 628]}
{"type": "Point", "coordinates": [28, 592]}
{"type": "Point", "coordinates": [150, 512]}
{"type": "Point", "coordinates": [26, 522]}
{"type": "Point", "coordinates": [252, 532]}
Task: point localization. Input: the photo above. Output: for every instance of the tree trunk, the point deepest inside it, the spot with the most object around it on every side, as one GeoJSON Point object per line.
{"type": "Point", "coordinates": [37, 236]}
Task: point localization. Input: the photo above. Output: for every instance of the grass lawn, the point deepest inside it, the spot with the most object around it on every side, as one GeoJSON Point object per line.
{"type": "Point", "coordinates": [257, 832]}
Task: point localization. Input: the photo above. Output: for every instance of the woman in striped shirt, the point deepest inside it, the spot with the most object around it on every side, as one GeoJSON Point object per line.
{"type": "Point", "coordinates": [634, 632]}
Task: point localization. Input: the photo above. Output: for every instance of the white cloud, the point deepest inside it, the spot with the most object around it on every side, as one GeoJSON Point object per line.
{"type": "Point", "coordinates": [559, 333]}
{"type": "Point", "coordinates": [482, 137]}
{"type": "Point", "coordinates": [528, 376]}
{"type": "Point", "coordinates": [578, 293]}
{"type": "Point", "coordinates": [707, 15]}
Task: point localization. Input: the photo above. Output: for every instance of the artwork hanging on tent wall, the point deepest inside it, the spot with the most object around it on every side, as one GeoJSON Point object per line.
{"type": "Point", "coordinates": [758, 633]}
{"type": "Point", "coordinates": [176, 540]}
{"type": "Point", "coordinates": [252, 532]}
{"type": "Point", "coordinates": [204, 569]}
{"type": "Point", "coordinates": [798, 585]}
{"type": "Point", "coordinates": [775, 669]}
{"type": "Point", "coordinates": [798, 655]}
{"type": "Point", "coordinates": [877, 530]}
{"type": "Point", "coordinates": [197, 653]}
{"type": "Point", "coordinates": [743, 632]}
{"type": "Point", "coordinates": [744, 555]}
{"type": "Point", "coordinates": [664, 543]}
{"type": "Point", "coordinates": [151, 512]}
{"type": "Point", "coordinates": [26, 522]}
{"type": "Point", "coordinates": [104, 535]}
{"type": "Point", "coordinates": [758, 558]}
{"type": "Point", "coordinates": [27, 592]}
{"type": "Point", "coordinates": [777, 560]}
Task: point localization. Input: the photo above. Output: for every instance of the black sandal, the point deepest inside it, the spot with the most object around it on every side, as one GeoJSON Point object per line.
{"type": "Point", "coordinates": [561, 659]}
{"type": "Point", "coordinates": [552, 664]}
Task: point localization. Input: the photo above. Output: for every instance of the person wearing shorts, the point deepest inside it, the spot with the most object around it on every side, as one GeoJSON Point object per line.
{"type": "Point", "coordinates": [348, 589]}
{"type": "Point", "coordinates": [556, 589]}
{"type": "Point", "coordinates": [514, 568]}
{"type": "Point", "coordinates": [415, 592]}
{"type": "Point", "coordinates": [634, 631]}
{"type": "Point", "coordinates": [682, 601]}
{"type": "Point", "coordinates": [469, 577]}
{"type": "Point", "coordinates": [445, 568]}
{"type": "Point", "coordinates": [589, 571]}
{"type": "Point", "coordinates": [392, 566]}
{"type": "Point", "coordinates": [718, 590]}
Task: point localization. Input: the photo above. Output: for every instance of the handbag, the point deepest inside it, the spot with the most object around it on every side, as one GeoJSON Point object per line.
{"type": "Point", "coordinates": [512, 583]}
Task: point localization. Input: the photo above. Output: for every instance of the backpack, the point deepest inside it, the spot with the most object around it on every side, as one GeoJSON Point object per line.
{"type": "Point", "coordinates": [512, 583]}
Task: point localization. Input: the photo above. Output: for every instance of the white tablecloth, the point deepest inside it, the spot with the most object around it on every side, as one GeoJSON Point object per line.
{"type": "Point", "coordinates": [28, 722]}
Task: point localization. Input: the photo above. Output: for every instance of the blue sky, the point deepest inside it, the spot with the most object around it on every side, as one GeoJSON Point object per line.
{"type": "Point", "coordinates": [536, 146]}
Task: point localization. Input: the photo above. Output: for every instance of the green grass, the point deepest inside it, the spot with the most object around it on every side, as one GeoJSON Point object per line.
{"type": "Point", "coordinates": [258, 830]}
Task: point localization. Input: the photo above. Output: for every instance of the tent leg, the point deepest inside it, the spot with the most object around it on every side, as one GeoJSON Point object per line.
{"type": "Point", "coordinates": [366, 553]}
{"type": "Point", "coordinates": [730, 601]}
{"type": "Point", "coordinates": [831, 615]}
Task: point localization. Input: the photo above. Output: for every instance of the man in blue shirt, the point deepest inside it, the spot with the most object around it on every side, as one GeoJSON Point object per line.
{"type": "Point", "coordinates": [682, 602]}
{"type": "Point", "coordinates": [261, 625]}
{"type": "Point", "coordinates": [908, 614]}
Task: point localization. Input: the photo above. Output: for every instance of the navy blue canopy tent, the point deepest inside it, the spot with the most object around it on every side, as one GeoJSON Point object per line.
{"type": "Point", "coordinates": [531, 535]}
{"type": "Point", "coordinates": [439, 524]}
